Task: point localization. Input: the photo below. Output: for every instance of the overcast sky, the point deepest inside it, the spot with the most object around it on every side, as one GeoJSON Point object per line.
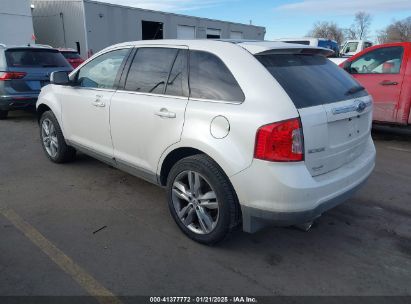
{"type": "Point", "coordinates": [283, 18]}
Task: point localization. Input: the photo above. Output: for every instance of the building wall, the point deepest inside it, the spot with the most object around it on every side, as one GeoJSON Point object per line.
{"type": "Point", "coordinates": [16, 25]}
{"type": "Point", "coordinates": [60, 23]}
{"type": "Point", "coordinates": [109, 24]}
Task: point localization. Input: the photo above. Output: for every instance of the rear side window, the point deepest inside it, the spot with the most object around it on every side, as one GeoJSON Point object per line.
{"type": "Point", "coordinates": [177, 81]}
{"type": "Point", "coordinates": [150, 69]}
{"type": "Point", "coordinates": [211, 79]}
{"type": "Point", "coordinates": [35, 58]}
{"type": "Point", "coordinates": [311, 80]}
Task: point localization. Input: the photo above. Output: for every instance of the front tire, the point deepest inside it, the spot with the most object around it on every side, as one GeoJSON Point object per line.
{"type": "Point", "coordinates": [53, 141]}
{"type": "Point", "coordinates": [202, 200]}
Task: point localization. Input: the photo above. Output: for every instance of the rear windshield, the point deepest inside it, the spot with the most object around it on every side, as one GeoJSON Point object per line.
{"type": "Point", "coordinates": [35, 58]}
{"type": "Point", "coordinates": [71, 55]}
{"type": "Point", "coordinates": [311, 80]}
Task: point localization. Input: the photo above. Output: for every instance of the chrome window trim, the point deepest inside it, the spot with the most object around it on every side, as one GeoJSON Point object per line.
{"type": "Point", "coordinates": [152, 94]}
{"type": "Point", "coordinates": [217, 101]}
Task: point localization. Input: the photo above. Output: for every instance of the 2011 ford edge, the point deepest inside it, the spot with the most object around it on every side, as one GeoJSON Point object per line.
{"type": "Point", "coordinates": [250, 133]}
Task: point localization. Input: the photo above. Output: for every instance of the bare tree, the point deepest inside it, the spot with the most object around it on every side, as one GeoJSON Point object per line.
{"type": "Point", "coordinates": [329, 30]}
{"type": "Point", "coordinates": [398, 31]}
{"type": "Point", "coordinates": [360, 28]}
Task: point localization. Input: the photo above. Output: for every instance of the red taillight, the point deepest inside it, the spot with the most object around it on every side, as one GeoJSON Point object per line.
{"type": "Point", "coordinates": [280, 141]}
{"type": "Point", "coordinates": [11, 75]}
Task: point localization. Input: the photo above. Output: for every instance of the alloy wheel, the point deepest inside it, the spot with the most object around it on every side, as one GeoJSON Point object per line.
{"type": "Point", "coordinates": [49, 137]}
{"type": "Point", "coordinates": [195, 202]}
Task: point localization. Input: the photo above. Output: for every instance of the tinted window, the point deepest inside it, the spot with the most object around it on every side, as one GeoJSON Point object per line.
{"type": "Point", "coordinates": [71, 55]}
{"type": "Point", "coordinates": [380, 61]}
{"type": "Point", "coordinates": [310, 80]}
{"type": "Point", "coordinates": [177, 81]}
{"type": "Point", "coordinates": [211, 79]}
{"type": "Point", "coordinates": [35, 58]}
{"type": "Point", "coordinates": [102, 71]}
{"type": "Point", "coordinates": [149, 70]}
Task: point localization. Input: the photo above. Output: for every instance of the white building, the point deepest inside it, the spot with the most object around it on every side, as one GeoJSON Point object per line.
{"type": "Point", "coordinates": [16, 24]}
{"type": "Point", "coordinates": [90, 26]}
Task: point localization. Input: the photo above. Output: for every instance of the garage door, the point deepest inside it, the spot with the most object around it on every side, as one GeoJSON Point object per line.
{"type": "Point", "coordinates": [213, 33]}
{"type": "Point", "coordinates": [236, 35]}
{"type": "Point", "coordinates": [186, 32]}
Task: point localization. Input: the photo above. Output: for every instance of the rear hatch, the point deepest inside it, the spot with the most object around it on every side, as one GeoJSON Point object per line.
{"type": "Point", "coordinates": [35, 66]}
{"type": "Point", "coordinates": [335, 110]}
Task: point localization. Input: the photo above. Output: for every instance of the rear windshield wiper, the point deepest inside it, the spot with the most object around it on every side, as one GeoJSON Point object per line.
{"type": "Point", "coordinates": [50, 66]}
{"type": "Point", "coordinates": [354, 90]}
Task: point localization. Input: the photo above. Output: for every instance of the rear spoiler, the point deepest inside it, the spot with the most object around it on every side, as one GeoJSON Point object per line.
{"type": "Point", "coordinates": [304, 51]}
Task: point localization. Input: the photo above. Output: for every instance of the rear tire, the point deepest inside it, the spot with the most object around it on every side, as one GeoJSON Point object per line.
{"type": "Point", "coordinates": [3, 114]}
{"type": "Point", "coordinates": [206, 208]}
{"type": "Point", "coordinates": [53, 141]}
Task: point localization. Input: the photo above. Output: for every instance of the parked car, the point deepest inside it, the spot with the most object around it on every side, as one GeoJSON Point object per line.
{"type": "Point", "coordinates": [352, 47]}
{"type": "Point", "coordinates": [263, 133]}
{"type": "Point", "coordinates": [385, 71]}
{"type": "Point", "coordinates": [72, 56]}
{"type": "Point", "coordinates": [23, 71]}
{"type": "Point", "coordinates": [319, 42]}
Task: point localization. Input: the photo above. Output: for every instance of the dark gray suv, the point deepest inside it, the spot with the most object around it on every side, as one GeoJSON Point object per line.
{"type": "Point", "coordinates": [24, 70]}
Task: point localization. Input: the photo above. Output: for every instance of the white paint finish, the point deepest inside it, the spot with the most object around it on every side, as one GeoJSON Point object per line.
{"type": "Point", "coordinates": [186, 32]}
{"type": "Point", "coordinates": [84, 122]}
{"type": "Point", "coordinates": [139, 135]}
{"type": "Point", "coordinates": [289, 187]}
{"type": "Point", "coordinates": [143, 139]}
{"type": "Point", "coordinates": [341, 137]}
{"type": "Point", "coordinates": [219, 127]}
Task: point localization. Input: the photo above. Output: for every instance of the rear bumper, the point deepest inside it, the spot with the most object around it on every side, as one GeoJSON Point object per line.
{"type": "Point", "coordinates": [15, 102]}
{"type": "Point", "coordinates": [284, 194]}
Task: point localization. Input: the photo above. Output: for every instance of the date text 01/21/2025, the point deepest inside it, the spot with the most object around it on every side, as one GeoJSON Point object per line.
{"type": "Point", "coordinates": [240, 299]}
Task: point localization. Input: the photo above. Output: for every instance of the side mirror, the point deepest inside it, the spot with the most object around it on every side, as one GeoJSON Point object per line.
{"type": "Point", "coordinates": [347, 67]}
{"type": "Point", "coordinates": [59, 78]}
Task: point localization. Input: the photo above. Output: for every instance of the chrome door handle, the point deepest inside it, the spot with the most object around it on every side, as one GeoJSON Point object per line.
{"type": "Point", "coordinates": [387, 83]}
{"type": "Point", "coordinates": [98, 102]}
{"type": "Point", "coordinates": [164, 113]}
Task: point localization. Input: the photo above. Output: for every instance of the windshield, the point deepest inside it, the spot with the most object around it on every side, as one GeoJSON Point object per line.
{"type": "Point", "coordinates": [35, 58]}
{"type": "Point", "coordinates": [311, 80]}
{"type": "Point", "coordinates": [350, 47]}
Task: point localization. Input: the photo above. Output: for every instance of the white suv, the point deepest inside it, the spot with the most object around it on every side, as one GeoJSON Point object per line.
{"type": "Point", "coordinates": [242, 132]}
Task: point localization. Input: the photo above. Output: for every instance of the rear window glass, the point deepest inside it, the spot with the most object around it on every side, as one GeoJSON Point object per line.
{"type": "Point", "coordinates": [35, 58]}
{"type": "Point", "coordinates": [211, 79]}
{"type": "Point", "coordinates": [311, 80]}
{"type": "Point", "coordinates": [71, 55]}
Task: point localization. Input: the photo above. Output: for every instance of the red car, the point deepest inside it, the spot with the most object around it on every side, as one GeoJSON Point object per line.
{"type": "Point", "coordinates": [72, 57]}
{"type": "Point", "coordinates": [385, 72]}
